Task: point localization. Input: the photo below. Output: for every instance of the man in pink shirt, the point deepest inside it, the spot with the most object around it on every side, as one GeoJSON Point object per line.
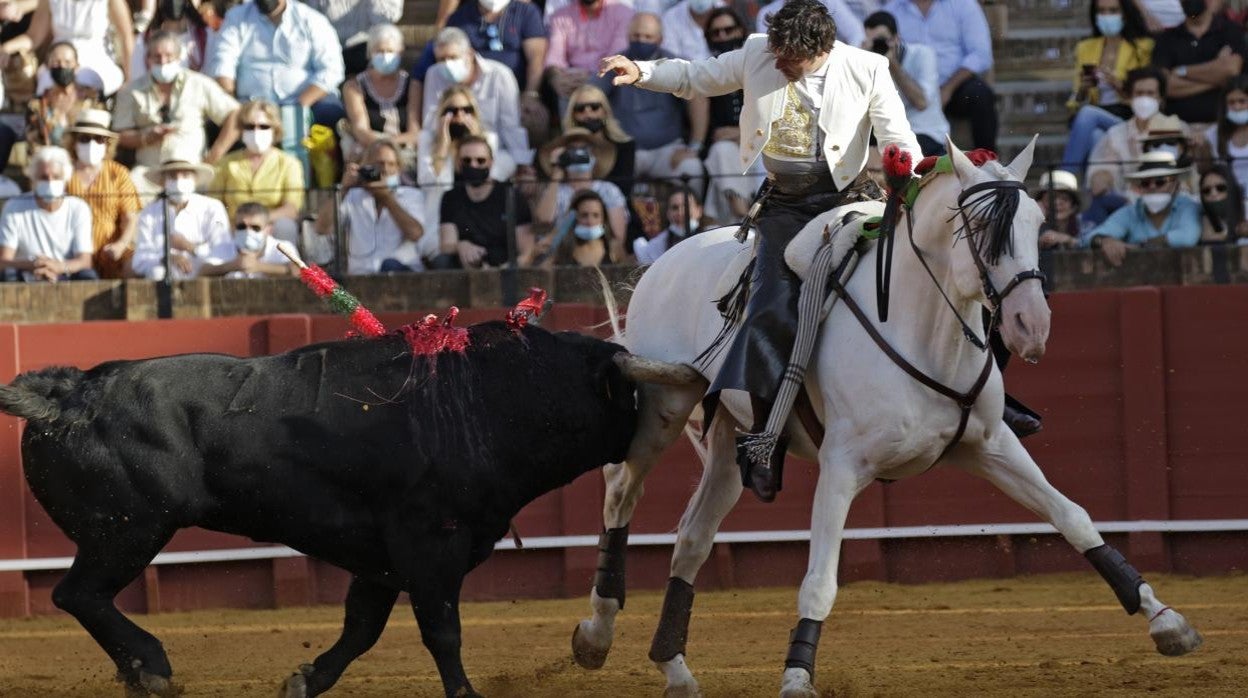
{"type": "Point", "coordinates": [581, 34]}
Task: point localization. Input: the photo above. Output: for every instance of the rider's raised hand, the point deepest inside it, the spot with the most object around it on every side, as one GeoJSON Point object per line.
{"type": "Point", "coordinates": [626, 71]}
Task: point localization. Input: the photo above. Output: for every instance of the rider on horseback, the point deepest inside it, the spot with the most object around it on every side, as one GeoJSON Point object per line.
{"type": "Point", "coordinates": [811, 105]}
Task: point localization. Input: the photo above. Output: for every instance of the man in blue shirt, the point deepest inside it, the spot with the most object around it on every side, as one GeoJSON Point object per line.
{"type": "Point", "coordinates": [957, 31]}
{"type": "Point", "coordinates": [1161, 217]}
{"type": "Point", "coordinates": [281, 51]}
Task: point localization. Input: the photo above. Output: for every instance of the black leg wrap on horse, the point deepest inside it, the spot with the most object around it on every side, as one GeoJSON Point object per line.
{"type": "Point", "coordinates": [673, 631]}
{"type": "Point", "coordinates": [1121, 576]}
{"type": "Point", "coordinates": [609, 579]}
{"type": "Point", "coordinates": [803, 642]}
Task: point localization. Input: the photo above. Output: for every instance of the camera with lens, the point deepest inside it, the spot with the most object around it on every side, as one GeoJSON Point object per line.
{"type": "Point", "coordinates": [575, 155]}
{"type": "Point", "coordinates": [370, 173]}
{"type": "Point", "coordinates": [880, 45]}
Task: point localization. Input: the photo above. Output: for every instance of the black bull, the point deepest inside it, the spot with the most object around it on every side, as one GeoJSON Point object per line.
{"type": "Point", "coordinates": [404, 470]}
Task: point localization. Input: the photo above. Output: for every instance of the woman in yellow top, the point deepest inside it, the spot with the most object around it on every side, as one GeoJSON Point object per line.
{"type": "Point", "coordinates": [261, 172]}
{"type": "Point", "coordinates": [106, 187]}
{"type": "Point", "coordinates": [1119, 44]}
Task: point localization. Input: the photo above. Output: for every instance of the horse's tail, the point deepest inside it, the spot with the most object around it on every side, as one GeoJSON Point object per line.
{"type": "Point", "coordinates": [34, 396]}
{"type": "Point", "coordinates": [613, 308]}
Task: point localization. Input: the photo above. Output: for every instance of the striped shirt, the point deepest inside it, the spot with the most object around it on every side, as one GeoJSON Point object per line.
{"type": "Point", "coordinates": [110, 196]}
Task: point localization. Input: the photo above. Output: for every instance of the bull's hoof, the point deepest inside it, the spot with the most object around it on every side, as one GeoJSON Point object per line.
{"type": "Point", "coordinates": [1173, 635]}
{"type": "Point", "coordinates": [586, 654]}
{"type": "Point", "coordinates": [797, 684]}
{"type": "Point", "coordinates": [297, 685]}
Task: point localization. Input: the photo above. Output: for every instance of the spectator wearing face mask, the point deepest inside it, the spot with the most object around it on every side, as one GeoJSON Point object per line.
{"type": "Point", "coordinates": [1123, 143]}
{"type": "Point", "coordinates": [473, 230]}
{"type": "Point", "coordinates": [108, 190]}
{"type": "Point", "coordinates": [50, 113]}
{"type": "Point", "coordinates": [655, 120]}
{"type": "Point", "coordinates": [508, 31]}
{"type": "Point", "coordinates": [171, 105]}
{"type": "Point", "coordinates": [1161, 217]}
{"type": "Point", "coordinates": [1199, 56]}
{"type": "Point", "coordinates": [256, 255]}
{"type": "Point", "coordinates": [262, 172]}
{"type": "Point", "coordinates": [379, 214]}
{"type": "Point", "coordinates": [1176, 143]}
{"type": "Point", "coordinates": [584, 236]}
{"type": "Point", "coordinates": [200, 232]}
{"type": "Point", "coordinates": [684, 27]}
{"type": "Point", "coordinates": [378, 101]}
{"type": "Point", "coordinates": [684, 218]}
{"type": "Point", "coordinates": [589, 109]}
{"type": "Point", "coordinates": [181, 18]}
{"type": "Point", "coordinates": [728, 192]}
{"type": "Point", "coordinates": [576, 162]}
{"type": "Point", "coordinates": [84, 24]}
{"type": "Point", "coordinates": [353, 19]}
{"type": "Point", "coordinates": [1222, 205]}
{"type": "Point", "coordinates": [1118, 45]}
{"type": "Point", "coordinates": [491, 82]}
{"type": "Point", "coordinates": [1228, 138]}
{"type": "Point", "coordinates": [47, 236]}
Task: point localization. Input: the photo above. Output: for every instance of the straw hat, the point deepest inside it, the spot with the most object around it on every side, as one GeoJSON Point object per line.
{"type": "Point", "coordinates": [1061, 181]}
{"type": "Point", "coordinates": [602, 150]}
{"type": "Point", "coordinates": [93, 122]}
{"type": "Point", "coordinates": [180, 162]}
{"type": "Point", "coordinates": [1156, 163]}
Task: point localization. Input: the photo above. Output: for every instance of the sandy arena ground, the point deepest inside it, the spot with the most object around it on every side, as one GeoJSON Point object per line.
{"type": "Point", "coordinates": [1060, 635]}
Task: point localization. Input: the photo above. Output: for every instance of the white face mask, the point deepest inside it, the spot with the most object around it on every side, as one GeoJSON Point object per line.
{"type": "Point", "coordinates": [1145, 107]}
{"type": "Point", "coordinates": [50, 189]}
{"type": "Point", "coordinates": [701, 6]}
{"type": "Point", "coordinates": [258, 141]}
{"type": "Point", "coordinates": [179, 189]}
{"type": "Point", "coordinates": [493, 5]}
{"type": "Point", "coordinates": [1156, 203]}
{"type": "Point", "coordinates": [456, 69]}
{"type": "Point", "coordinates": [1239, 117]}
{"type": "Point", "coordinates": [166, 73]}
{"type": "Point", "coordinates": [1172, 149]}
{"type": "Point", "coordinates": [91, 153]}
{"type": "Point", "coordinates": [249, 240]}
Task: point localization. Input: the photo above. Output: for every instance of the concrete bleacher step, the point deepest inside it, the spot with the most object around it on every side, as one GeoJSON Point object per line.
{"type": "Point", "coordinates": [1038, 104]}
{"type": "Point", "coordinates": [1048, 13]}
{"type": "Point", "coordinates": [1036, 51]}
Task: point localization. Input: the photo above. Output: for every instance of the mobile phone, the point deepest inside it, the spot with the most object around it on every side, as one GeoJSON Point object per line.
{"type": "Point", "coordinates": [1089, 69]}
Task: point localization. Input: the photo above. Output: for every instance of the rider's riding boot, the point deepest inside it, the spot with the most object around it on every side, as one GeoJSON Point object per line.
{"type": "Point", "coordinates": [763, 479]}
{"type": "Point", "coordinates": [1022, 421]}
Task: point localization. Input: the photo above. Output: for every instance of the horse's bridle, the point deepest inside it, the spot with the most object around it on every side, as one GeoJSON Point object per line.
{"type": "Point", "coordinates": [995, 297]}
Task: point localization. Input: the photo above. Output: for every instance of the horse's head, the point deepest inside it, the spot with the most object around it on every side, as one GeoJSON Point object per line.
{"type": "Point", "coordinates": [1001, 226]}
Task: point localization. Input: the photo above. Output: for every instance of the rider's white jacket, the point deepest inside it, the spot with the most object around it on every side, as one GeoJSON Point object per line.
{"type": "Point", "coordinates": [859, 94]}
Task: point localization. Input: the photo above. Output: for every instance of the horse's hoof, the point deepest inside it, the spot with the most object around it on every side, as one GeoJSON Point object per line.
{"type": "Point", "coordinates": [584, 652]}
{"type": "Point", "coordinates": [297, 685]}
{"type": "Point", "coordinates": [689, 690]}
{"type": "Point", "coordinates": [152, 685]}
{"type": "Point", "coordinates": [797, 685]}
{"type": "Point", "coordinates": [680, 681]}
{"type": "Point", "coordinates": [1175, 637]}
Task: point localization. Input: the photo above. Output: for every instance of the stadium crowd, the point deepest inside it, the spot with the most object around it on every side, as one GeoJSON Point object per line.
{"type": "Point", "coordinates": [215, 129]}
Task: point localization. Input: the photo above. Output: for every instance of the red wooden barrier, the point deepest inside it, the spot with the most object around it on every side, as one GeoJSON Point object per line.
{"type": "Point", "coordinates": [1142, 391]}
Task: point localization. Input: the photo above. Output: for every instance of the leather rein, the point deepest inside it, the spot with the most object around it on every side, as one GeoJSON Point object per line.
{"type": "Point", "coordinates": [964, 400]}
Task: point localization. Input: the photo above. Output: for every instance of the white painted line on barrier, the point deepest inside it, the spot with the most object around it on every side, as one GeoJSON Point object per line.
{"type": "Point", "coordinates": [795, 536]}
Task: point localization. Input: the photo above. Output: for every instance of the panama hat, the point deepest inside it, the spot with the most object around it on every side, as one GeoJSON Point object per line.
{"type": "Point", "coordinates": [175, 162]}
{"type": "Point", "coordinates": [1156, 163]}
{"type": "Point", "coordinates": [1059, 181]}
{"type": "Point", "coordinates": [602, 150]}
{"type": "Point", "coordinates": [93, 122]}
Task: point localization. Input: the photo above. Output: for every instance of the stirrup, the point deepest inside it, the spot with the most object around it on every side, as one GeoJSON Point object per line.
{"type": "Point", "coordinates": [761, 460]}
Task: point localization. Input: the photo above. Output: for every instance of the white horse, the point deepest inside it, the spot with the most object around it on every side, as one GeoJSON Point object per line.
{"type": "Point", "coordinates": [880, 422]}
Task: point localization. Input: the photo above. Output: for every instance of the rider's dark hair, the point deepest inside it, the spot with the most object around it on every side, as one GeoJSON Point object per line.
{"type": "Point", "coordinates": [801, 29]}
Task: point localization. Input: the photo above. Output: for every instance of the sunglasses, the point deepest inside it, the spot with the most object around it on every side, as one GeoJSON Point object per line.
{"type": "Point", "coordinates": [458, 110]}
{"type": "Point", "coordinates": [257, 127]}
{"type": "Point", "coordinates": [723, 32]}
{"type": "Point", "coordinates": [1214, 189]}
{"type": "Point", "coordinates": [252, 228]}
{"type": "Point", "coordinates": [1156, 182]}
{"type": "Point", "coordinates": [92, 139]}
{"type": "Point", "coordinates": [471, 161]}
{"type": "Point", "coordinates": [490, 31]}
{"type": "Point", "coordinates": [586, 106]}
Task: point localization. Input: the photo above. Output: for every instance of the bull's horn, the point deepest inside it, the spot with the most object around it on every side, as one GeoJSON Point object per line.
{"type": "Point", "coordinates": [642, 370]}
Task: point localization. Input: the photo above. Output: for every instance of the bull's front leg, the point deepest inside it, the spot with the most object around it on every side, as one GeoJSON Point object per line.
{"type": "Point", "coordinates": [368, 608]}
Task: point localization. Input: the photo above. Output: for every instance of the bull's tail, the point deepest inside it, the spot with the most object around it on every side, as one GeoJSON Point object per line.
{"type": "Point", "coordinates": [613, 309]}
{"type": "Point", "coordinates": [35, 396]}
